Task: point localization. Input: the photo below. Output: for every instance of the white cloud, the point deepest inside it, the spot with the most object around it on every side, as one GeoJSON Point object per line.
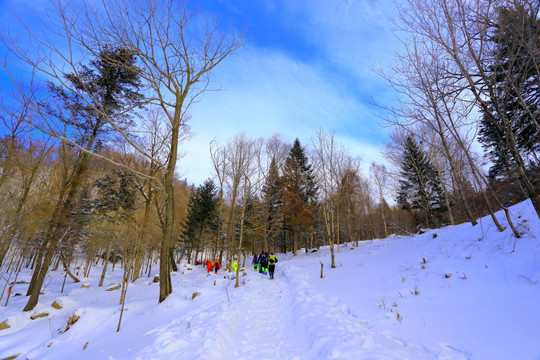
{"type": "Point", "coordinates": [266, 92]}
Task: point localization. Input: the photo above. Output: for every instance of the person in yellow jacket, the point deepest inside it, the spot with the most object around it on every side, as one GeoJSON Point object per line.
{"type": "Point", "coordinates": [272, 260]}
{"type": "Point", "coordinates": [235, 265]}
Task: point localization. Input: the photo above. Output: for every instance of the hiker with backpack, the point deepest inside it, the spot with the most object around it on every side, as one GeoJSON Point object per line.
{"type": "Point", "coordinates": [272, 260]}
{"type": "Point", "coordinates": [263, 260]}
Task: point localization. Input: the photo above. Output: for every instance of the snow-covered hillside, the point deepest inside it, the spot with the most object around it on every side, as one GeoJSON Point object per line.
{"type": "Point", "coordinates": [455, 293]}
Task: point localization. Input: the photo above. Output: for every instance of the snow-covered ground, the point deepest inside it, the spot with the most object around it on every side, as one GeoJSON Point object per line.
{"type": "Point", "coordinates": [459, 292]}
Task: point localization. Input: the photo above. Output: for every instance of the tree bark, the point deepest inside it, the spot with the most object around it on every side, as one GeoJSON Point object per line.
{"type": "Point", "coordinates": [55, 229]}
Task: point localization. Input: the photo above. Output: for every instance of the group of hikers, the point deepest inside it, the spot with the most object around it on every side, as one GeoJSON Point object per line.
{"type": "Point", "coordinates": [264, 263]}
{"type": "Point", "coordinates": [212, 265]}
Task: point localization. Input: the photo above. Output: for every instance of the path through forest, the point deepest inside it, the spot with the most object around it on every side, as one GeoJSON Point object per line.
{"type": "Point", "coordinates": [256, 320]}
{"type": "Point", "coordinates": [284, 318]}
{"type": "Point", "coordinates": [262, 325]}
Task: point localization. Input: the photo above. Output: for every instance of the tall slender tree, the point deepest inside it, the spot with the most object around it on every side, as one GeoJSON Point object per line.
{"type": "Point", "coordinates": [176, 52]}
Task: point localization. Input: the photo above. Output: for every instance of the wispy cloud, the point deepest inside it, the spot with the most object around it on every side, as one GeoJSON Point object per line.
{"type": "Point", "coordinates": [320, 76]}
{"type": "Point", "coordinates": [266, 92]}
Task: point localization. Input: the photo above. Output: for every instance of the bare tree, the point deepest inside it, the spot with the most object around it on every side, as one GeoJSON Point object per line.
{"type": "Point", "coordinates": [220, 163]}
{"type": "Point", "coordinates": [241, 155]}
{"type": "Point", "coordinates": [379, 176]}
{"type": "Point", "coordinates": [462, 31]}
{"type": "Point", "coordinates": [333, 166]}
{"type": "Point", "coordinates": [21, 160]}
{"type": "Point", "coordinates": [175, 52]}
{"type": "Point", "coordinates": [433, 100]}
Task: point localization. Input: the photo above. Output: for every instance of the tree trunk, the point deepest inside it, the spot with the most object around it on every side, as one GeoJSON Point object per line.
{"type": "Point", "coordinates": [173, 263]}
{"type": "Point", "coordinates": [66, 268]}
{"type": "Point", "coordinates": [5, 240]}
{"type": "Point", "coordinates": [142, 237]}
{"type": "Point", "coordinates": [330, 233]}
{"type": "Point", "coordinates": [105, 264]}
{"type": "Point", "coordinates": [453, 169]}
{"type": "Point", "coordinates": [55, 230]}
{"type": "Point", "coordinates": [165, 287]}
{"type": "Point", "coordinates": [239, 250]}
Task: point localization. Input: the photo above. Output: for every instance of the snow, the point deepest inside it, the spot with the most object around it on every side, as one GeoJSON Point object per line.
{"type": "Point", "coordinates": [382, 301]}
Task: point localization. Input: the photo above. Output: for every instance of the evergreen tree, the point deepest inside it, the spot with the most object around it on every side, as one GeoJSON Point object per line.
{"type": "Point", "coordinates": [514, 108]}
{"type": "Point", "coordinates": [111, 88]}
{"type": "Point", "coordinates": [202, 215]}
{"type": "Point", "coordinates": [420, 189]}
{"type": "Point", "coordinates": [299, 193]}
{"type": "Point", "coordinates": [117, 195]}
{"type": "Point", "coordinates": [110, 85]}
{"type": "Point", "coordinates": [273, 201]}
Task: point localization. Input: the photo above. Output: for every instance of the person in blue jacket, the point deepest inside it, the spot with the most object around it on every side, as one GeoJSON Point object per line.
{"type": "Point", "coordinates": [255, 262]}
{"type": "Point", "coordinates": [263, 260]}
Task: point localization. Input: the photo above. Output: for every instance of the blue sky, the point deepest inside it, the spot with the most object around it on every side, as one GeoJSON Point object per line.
{"type": "Point", "coordinates": [308, 65]}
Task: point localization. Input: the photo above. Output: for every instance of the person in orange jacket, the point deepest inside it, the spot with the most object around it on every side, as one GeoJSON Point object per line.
{"type": "Point", "coordinates": [210, 266]}
{"type": "Point", "coordinates": [217, 266]}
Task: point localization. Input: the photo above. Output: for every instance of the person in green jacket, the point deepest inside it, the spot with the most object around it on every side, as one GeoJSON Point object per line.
{"type": "Point", "coordinates": [235, 265]}
{"type": "Point", "coordinates": [272, 260]}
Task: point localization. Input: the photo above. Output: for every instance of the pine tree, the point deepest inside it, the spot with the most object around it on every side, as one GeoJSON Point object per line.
{"type": "Point", "coordinates": [110, 85]}
{"type": "Point", "coordinates": [273, 202]}
{"type": "Point", "coordinates": [111, 88]}
{"type": "Point", "coordinates": [116, 195]}
{"type": "Point", "coordinates": [513, 111]}
{"type": "Point", "coordinates": [299, 193]}
{"type": "Point", "coordinates": [420, 188]}
{"type": "Point", "coordinates": [202, 215]}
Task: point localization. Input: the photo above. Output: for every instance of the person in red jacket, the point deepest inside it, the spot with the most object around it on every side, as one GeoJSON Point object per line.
{"type": "Point", "coordinates": [210, 266]}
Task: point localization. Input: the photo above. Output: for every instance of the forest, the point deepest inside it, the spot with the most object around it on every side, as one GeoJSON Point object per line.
{"type": "Point", "coordinates": [89, 143]}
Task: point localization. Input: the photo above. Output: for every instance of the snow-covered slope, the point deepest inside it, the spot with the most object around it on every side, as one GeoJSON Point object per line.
{"type": "Point", "coordinates": [460, 292]}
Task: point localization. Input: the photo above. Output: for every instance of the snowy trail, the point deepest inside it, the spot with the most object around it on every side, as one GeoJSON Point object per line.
{"type": "Point", "coordinates": [284, 318]}
{"type": "Point", "coordinates": [262, 325]}
{"type": "Point", "coordinates": [258, 321]}
{"type": "Point", "coordinates": [183, 334]}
